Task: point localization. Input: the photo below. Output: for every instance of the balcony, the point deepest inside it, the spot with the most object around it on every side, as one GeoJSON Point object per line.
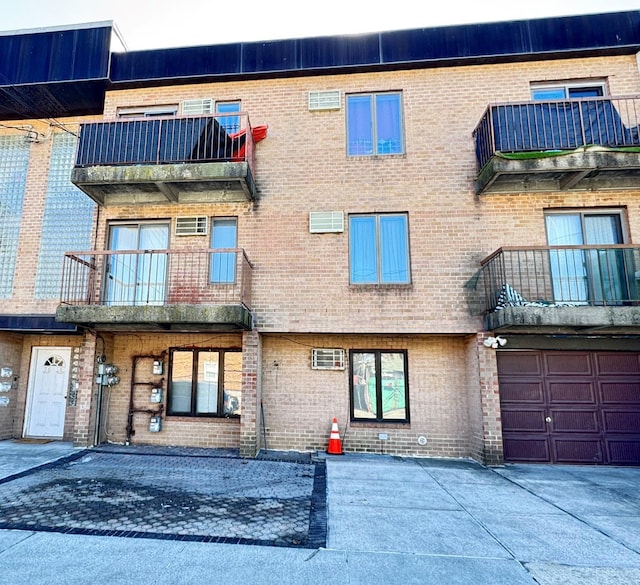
{"type": "Point", "coordinates": [157, 290]}
{"type": "Point", "coordinates": [568, 145]}
{"type": "Point", "coordinates": [203, 159]}
{"type": "Point", "coordinates": [563, 289]}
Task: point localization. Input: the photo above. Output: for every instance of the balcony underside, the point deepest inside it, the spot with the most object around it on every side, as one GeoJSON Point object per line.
{"type": "Point", "coordinates": [565, 319]}
{"type": "Point", "coordinates": [212, 182]}
{"type": "Point", "coordinates": [584, 170]}
{"type": "Point", "coordinates": [157, 318]}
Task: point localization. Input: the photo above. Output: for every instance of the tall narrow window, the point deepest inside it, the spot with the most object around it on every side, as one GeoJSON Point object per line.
{"type": "Point", "coordinates": [63, 200]}
{"type": "Point", "coordinates": [379, 386]}
{"type": "Point", "coordinates": [374, 124]}
{"type": "Point", "coordinates": [14, 161]}
{"type": "Point", "coordinates": [230, 123]}
{"type": "Point", "coordinates": [379, 249]}
{"type": "Point", "coordinates": [205, 382]}
{"type": "Point", "coordinates": [224, 235]}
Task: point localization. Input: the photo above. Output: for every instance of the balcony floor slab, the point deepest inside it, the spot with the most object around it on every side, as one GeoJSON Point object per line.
{"type": "Point", "coordinates": [181, 317]}
{"type": "Point", "coordinates": [565, 319]}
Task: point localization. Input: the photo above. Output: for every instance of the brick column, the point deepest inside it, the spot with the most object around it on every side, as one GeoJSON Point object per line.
{"type": "Point", "coordinates": [250, 419]}
{"type": "Point", "coordinates": [84, 423]}
{"type": "Point", "coordinates": [493, 453]}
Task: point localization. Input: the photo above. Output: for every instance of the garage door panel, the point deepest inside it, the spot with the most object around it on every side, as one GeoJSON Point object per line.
{"type": "Point", "coordinates": [522, 392]}
{"type": "Point", "coordinates": [522, 420]}
{"type": "Point", "coordinates": [520, 363]}
{"type": "Point", "coordinates": [592, 401]}
{"type": "Point", "coordinates": [574, 421]}
{"type": "Point", "coordinates": [567, 363]}
{"type": "Point", "coordinates": [623, 451]}
{"type": "Point", "coordinates": [576, 450]}
{"type": "Point", "coordinates": [582, 392]}
{"type": "Point", "coordinates": [617, 364]}
{"type": "Point", "coordinates": [619, 421]}
{"type": "Point", "coordinates": [620, 392]}
{"type": "Point", "coordinates": [528, 449]}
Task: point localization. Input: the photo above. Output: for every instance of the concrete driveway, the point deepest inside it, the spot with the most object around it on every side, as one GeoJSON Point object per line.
{"type": "Point", "coordinates": [388, 520]}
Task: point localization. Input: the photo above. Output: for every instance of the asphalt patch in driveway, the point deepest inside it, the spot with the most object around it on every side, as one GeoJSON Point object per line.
{"type": "Point", "coordinates": [186, 496]}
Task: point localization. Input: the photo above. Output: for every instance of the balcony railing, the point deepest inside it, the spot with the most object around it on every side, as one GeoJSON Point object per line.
{"type": "Point", "coordinates": [216, 138]}
{"type": "Point", "coordinates": [539, 126]}
{"type": "Point", "coordinates": [157, 277]}
{"type": "Point", "coordinates": [562, 276]}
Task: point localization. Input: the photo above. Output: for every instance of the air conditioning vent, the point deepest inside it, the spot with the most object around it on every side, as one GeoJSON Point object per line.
{"type": "Point", "coordinates": [197, 107]}
{"type": "Point", "coordinates": [322, 222]}
{"type": "Point", "coordinates": [324, 100]}
{"type": "Point", "coordinates": [327, 359]}
{"type": "Point", "coordinates": [191, 226]}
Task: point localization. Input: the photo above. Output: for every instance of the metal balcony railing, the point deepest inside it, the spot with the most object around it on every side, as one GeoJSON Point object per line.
{"type": "Point", "coordinates": [562, 275]}
{"type": "Point", "coordinates": [157, 277]}
{"type": "Point", "coordinates": [557, 125]}
{"type": "Point", "coordinates": [194, 139]}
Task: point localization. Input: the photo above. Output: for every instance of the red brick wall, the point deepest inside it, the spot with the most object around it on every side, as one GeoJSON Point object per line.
{"type": "Point", "coordinates": [301, 280]}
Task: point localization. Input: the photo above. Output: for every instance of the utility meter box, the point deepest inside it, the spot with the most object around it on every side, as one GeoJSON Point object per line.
{"type": "Point", "coordinates": [155, 424]}
{"type": "Point", "coordinates": [156, 395]}
{"type": "Point", "coordinates": [158, 367]}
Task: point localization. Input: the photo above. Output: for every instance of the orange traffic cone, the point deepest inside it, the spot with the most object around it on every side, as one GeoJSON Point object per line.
{"type": "Point", "coordinates": [335, 444]}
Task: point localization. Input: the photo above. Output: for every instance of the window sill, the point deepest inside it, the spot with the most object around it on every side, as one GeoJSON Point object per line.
{"type": "Point", "coordinates": [381, 286]}
{"type": "Point", "coordinates": [204, 419]}
{"type": "Point", "coordinates": [387, 424]}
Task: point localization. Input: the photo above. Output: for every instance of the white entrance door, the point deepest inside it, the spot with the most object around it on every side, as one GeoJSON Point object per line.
{"type": "Point", "coordinates": [47, 392]}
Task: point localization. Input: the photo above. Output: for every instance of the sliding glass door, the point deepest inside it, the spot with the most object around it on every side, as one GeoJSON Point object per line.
{"type": "Point", "coordinates": [138, 278]}
{"type": "Point", "coordinates": [595, 276]}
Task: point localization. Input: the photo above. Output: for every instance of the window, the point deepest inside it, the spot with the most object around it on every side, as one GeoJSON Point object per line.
{"type": "Point", "coordinates": [137, 278]}
{"type": "Point", "coordinates": [581, 275]}
{"type": "Point", "coordinates": [561, 91]}
{"type": "Point", "coordinates": [379, 249]}
{"type": "Point", "coordinates": [223, 236]}
{"type": "Point", "coordinates": [374, 124]}
{"type": "Point", "coordinates": [205, 382]}
{"type": "Point", "coordinates": [63, 200]}
{"type": "Point", "coordinates": [230, 123]}
{"type": "Point", "coordinates": [14, 162]}
{"type": "Point", "coordinates": [379, 389]}
{"type": "Point", "coordinates": [148, 111]}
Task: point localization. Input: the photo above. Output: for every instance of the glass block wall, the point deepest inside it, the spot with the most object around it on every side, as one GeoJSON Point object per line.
{"type": "Point", "coordinates": [68, 218]}
{"type": "Point", "coordinates": [14, 161]}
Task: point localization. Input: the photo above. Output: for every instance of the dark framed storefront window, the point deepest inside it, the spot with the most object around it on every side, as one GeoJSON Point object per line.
{"type": "Point", "coordinates": [379, 385]}
{"type": "Point", "coordinates": [205, 382]}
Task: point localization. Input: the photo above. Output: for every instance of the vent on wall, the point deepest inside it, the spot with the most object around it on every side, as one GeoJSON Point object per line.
{"type": "Point", "coordinates": [197, 107]}
{"type": "Point", "coordinates": [191, 226]}
{"type": "Point", "coordinates": [322, 222]}
{"type": "Point", "coordinates": [324, 100]}
{"type": "Point", "coordinates": [327, 359]}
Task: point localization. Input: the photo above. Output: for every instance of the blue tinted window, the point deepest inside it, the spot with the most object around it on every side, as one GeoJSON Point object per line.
{"type": "Point", "coordinates": [223, 264]}
{"type": "Point", "coordinates": [374, 124]}
{"type": "Point", "coordinates": [230, 123]}
{"type": "Point", "coordinates": [379, 250]}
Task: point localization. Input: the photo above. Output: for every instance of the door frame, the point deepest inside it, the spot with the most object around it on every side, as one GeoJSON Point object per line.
{"type": "Point", "coordinates": [35, 350]}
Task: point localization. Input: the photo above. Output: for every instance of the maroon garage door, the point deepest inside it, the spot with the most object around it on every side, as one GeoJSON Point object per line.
{"type": "Point", "coordinates": [570, 406]}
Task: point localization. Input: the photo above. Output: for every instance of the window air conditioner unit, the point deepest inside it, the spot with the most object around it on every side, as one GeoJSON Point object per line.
{"type": "Point", "coordinates": [322, 222]}
{"type": "Point", "coordinates": [324, 100]}
{"type": "Point", "coordinates": [328, 359]}
{"type": "Point", "coordinates": [191, 226]}
{"type": "Point", "coordinates": [197, 107]}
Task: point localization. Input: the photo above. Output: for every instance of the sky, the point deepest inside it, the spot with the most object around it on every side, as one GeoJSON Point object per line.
{"type": "Point", "coordinates": [149, 24]}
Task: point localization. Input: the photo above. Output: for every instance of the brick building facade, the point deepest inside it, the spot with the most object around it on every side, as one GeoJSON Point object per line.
{"type": "Point", "coordinates": [378, 317]}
